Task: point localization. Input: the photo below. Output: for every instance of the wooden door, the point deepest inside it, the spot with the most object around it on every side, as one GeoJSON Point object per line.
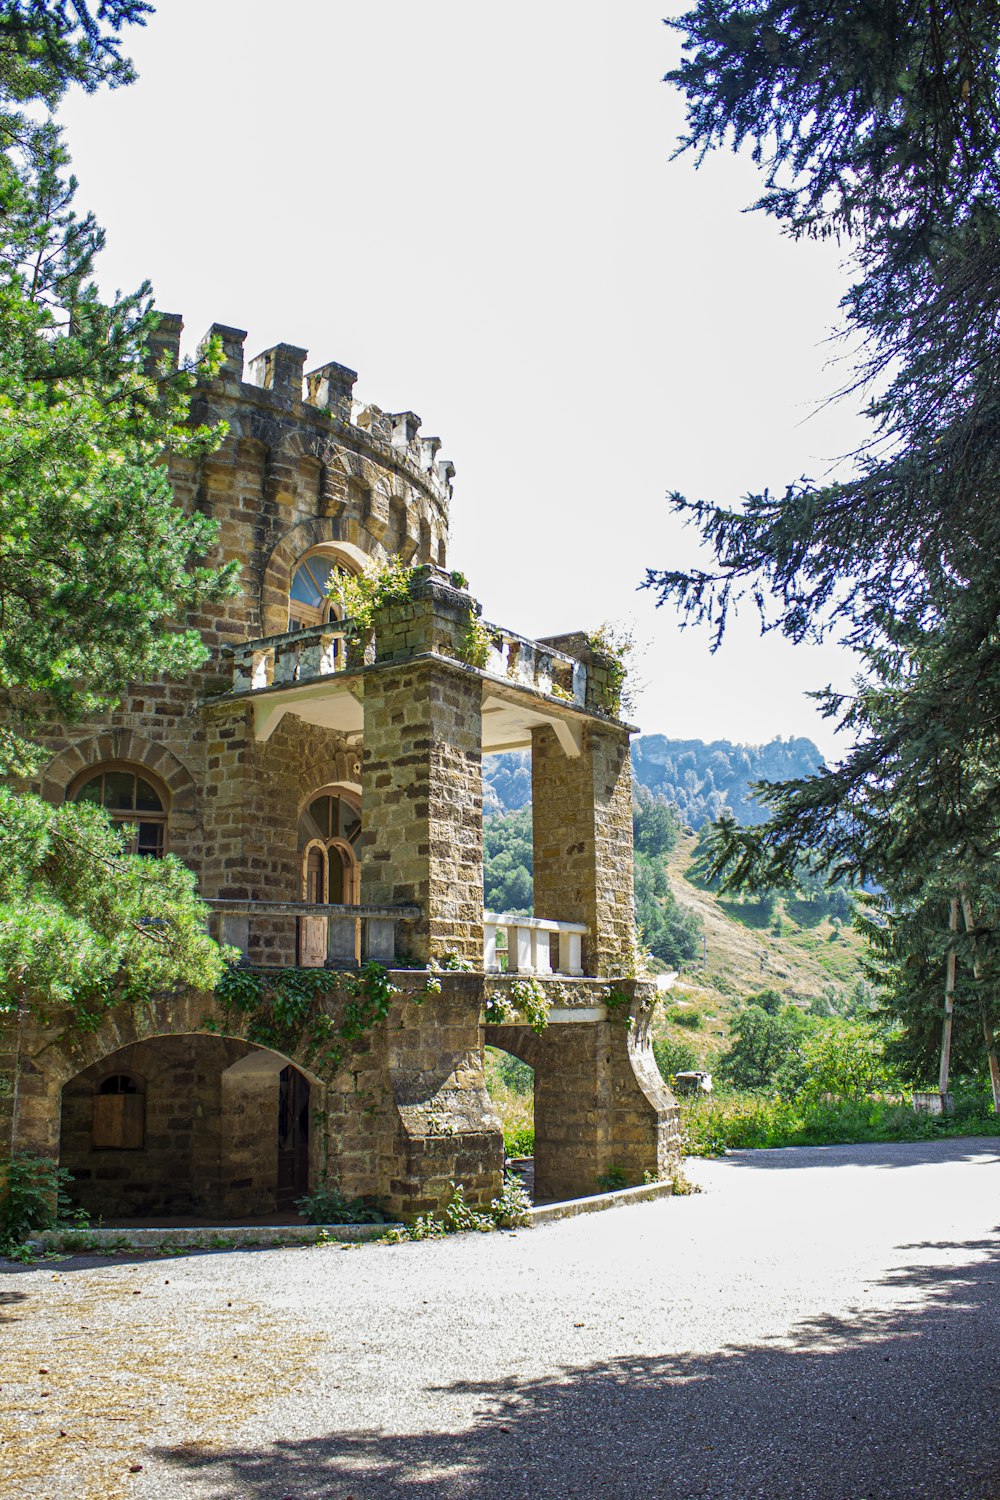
{"type": "Point", "coordinates": [293, 1137]}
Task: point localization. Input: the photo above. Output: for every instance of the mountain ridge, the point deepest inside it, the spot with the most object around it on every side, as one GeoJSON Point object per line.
{"type": "Point", "coordinates": [701, 777]}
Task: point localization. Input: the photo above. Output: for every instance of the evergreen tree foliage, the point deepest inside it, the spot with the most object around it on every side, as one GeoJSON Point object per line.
{"type": "Point", "coordinates": [98, 566]}
{"type": "Point", "coordinates": [876, 124]}
{"type": "Point", "coordinates": [908, 945]}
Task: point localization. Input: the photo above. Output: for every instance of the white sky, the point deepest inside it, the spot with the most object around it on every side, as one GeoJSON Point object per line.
{"type": "Point", "coordinates": [474, 207]}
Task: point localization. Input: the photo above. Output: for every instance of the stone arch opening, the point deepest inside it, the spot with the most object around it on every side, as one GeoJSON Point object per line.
{"type": "Point", "coordinates": [120, 747]}
{"type": "Point", "coordinates": [309, 599]}
{"type": "Point", "coordinates": [190, 1127]}
{"type": "Point", "coordinates": [510, 1083]}
{"type": "Point", "coordinates": [322, 536]}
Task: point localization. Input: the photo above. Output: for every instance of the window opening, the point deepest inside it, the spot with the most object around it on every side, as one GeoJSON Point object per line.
{"type": "Point", "coordinates": [133, 805]}
{"type": "Point", "coordinates": [118, 1120]}
{"type": "Point", "coordinates": [119, 1083]}
{"type": "Point", "coordinates": [307, 598]}
{"type": "Point", "coordinates": [329, 827]}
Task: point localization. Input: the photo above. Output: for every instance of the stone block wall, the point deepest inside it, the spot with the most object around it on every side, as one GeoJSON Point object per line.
{"type": "Point", "coordinates": [447, 1128]}
{"type": "Point", "coordinates": [422, 839]}
{"type": "Point", "coordinates": [582, 835]}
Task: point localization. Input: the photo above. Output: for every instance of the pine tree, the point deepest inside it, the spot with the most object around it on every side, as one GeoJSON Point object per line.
{"type": "Point", "coordinates": [877, 124]}
{"type": "Point", "coordinates": [98, 566]}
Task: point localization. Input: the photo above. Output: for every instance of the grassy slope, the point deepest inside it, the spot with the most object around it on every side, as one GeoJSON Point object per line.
{"type": "Point", "coordinates": [745, 955]}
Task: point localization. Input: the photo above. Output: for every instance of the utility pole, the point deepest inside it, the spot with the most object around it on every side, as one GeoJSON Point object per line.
{"type": "Point", "coordinates": [991, 1049]}
{"type": "Point", "coordinates": [949, 1004]}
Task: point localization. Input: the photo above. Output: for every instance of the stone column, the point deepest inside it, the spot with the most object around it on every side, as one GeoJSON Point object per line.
{"type": "Point", "coordinates": [600, 1103]}
{"type": "Point", "coordinates": [422, 794]}
{"type": "Point", "coordinates": [582, 832]}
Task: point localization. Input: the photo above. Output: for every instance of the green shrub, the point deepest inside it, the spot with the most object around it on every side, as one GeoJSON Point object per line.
{"type": "Point", "coordinates": [673, 1057]}
{"type": "Point", "coordinates": [747, 1121]}
{"type": "Point", "coordinates": [691, 1019]}
{"type": "Point", "coordinates": [34, 1198]}
{"type": "Point", "coordinates": [329, 1206]}
{"type": "Point", "coordinates": [519, 1140]}
{"type": "Point", "coordinates": [506, 1212]}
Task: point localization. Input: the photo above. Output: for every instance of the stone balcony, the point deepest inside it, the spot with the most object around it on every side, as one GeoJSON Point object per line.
{"type": "Point", "coordinates": [318, 673]}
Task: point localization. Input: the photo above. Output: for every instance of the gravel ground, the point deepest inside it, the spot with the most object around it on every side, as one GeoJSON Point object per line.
{"type": "Point", "coordinates": [816, 1323]}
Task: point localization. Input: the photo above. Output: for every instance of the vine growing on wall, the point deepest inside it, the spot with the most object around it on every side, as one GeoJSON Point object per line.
{"type": "Point", "coordinates": [361, 595]}
{"type": "Point", "coordinates": [476, 643]}
{"type": "Point", "coordinates": [618, 649]}
{"type": "Point", "coordinates": [521, 999]}
{"type": "Point", "coordinates": [318, 1014]}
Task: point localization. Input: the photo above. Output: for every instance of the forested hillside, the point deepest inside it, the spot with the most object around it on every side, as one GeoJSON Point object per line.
{"type": "Point", "coordinates": [700, 778]}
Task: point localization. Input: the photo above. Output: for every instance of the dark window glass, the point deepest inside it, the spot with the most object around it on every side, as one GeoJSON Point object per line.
{"type": "Point", "coordinates": [119, 1083]}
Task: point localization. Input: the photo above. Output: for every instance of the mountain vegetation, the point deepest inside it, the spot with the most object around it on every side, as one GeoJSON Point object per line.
{"type": "Point", "coordinates": [701, 778]}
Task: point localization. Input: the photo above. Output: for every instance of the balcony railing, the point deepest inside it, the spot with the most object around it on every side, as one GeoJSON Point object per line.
{"type": "Point", "coordinates": [335, 937]}
{"type": "Point", "coordinates": [530, 664]}
{"type": "Point", "coordinates": [319, 651]}
{"type": "Point", "coordinates": [299, 655]}
{"type": "Point", "coordinates": [523, 945]}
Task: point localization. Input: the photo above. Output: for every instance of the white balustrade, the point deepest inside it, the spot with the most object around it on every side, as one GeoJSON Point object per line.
{"type": "Point", "coordinates": [532, 665]}
{"type": "Point", "coordinates": [295, 656]}
{"type": "Point", "coordinates": [319, 651]}
{"type": "Point", "coordinates": [528, 942]}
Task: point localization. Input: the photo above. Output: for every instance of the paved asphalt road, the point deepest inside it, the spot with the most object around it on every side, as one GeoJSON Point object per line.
{"type": "Point", "coordinates": [818, 1323]}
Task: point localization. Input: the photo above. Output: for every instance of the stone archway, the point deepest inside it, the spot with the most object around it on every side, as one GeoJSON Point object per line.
{"type": "Point", "coordinates": [599, 1104]}
{"type": "Point", "coordinates": [210, 1116]}
{"type": "Point", "coordinates": [187, 1126]}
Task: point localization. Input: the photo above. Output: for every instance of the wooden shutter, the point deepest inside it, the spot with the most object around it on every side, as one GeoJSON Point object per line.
{"type": "Point", "coordinates": [119, 1122]}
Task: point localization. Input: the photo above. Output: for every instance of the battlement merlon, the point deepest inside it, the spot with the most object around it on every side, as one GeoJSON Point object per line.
{"type": "Point", "coordinates": [279, 372]}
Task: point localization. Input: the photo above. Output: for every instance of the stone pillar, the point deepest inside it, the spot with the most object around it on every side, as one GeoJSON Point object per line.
{"type": "Point", "coordinates": [249, 826]}
{"type": "Point", "coordinates": [600, 1102]}
{"type": "Point", "coordinates": [582, 832]}
{"type": "Point", "coordinates": [422, 794]}
{"type": "Point", "coordinates": [447, 1129]}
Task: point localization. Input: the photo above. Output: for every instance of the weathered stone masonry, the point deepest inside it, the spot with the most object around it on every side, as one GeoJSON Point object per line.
{"type": "Point", "coordinates": [393, 729]}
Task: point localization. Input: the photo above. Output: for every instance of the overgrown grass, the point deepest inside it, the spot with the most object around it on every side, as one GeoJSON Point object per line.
{"type": "Point", "coordinates": [510, 1084]}
{"type": "Point", "coordinates": [735, 1121]}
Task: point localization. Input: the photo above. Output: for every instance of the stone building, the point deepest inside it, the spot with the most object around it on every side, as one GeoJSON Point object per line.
{"type": "Point", "coordinates": [325, 784]}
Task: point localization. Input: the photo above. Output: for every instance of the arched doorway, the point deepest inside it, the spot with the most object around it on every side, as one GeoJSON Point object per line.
{"type": "Point", "coordinates": [188, 1127]}
{"type": "Point", "coordinates": [329, 828]}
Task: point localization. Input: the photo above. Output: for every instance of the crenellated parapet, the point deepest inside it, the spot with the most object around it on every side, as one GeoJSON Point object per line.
{"type": "Point", "coordinates": [303, 464]}
{"type": "Point", "coordinates": [278, 380]}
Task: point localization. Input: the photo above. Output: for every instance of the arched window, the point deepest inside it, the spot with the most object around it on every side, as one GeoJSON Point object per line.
{"type": "Point", "coordinates": [133, 800]}
{"type": "Point", "coordinates": [307, 598]}
{"type": "Point", "coordinates": [329, 828]}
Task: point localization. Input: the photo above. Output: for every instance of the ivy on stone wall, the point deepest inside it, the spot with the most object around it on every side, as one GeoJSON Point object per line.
{"type": "Point", "coordinates": [362, 595]}
{"type": "Point", "coordinates": [523, 999]}
{"type": "Point", "coordinates": [314, 1014]}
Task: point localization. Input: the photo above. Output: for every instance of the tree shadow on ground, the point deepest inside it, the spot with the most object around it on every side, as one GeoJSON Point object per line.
{"type": "Point", "coordinates": [983, 1150]}
{"type": "Point", "coordinates": [10, 1299]}
{"type": "Point", "coordinates": [883, 1405]}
